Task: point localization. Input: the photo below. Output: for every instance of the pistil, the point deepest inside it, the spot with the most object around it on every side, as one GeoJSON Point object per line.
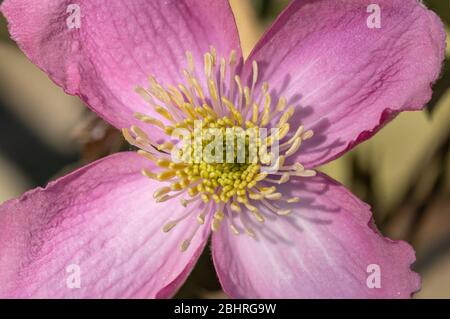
{"type": "Point", "coordinates": [219, 102]}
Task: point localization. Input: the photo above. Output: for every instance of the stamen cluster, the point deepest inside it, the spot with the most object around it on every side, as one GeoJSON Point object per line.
{"type": "Point", "coordinates": [226, 105]}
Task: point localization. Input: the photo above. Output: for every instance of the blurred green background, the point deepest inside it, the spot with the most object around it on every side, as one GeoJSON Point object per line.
{"type": "Point", "coordinates": [403, 172]}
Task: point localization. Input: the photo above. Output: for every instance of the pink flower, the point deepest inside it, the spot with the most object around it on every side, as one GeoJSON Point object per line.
{"type": "Point", "coordinates": [319, 68]}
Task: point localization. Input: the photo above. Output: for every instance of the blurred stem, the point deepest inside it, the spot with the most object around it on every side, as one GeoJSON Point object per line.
{"type": "Point", "coordinates": [420, 211]}
{"type": "Point", "coordinates": [419, 208]}
{"type": "Point", "coordinates": [440, 87]}
{"type": "Point", "coordinates": [362, 181]}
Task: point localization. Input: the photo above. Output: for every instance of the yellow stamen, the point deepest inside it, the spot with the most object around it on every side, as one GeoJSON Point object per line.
{"type": "Point", "coordinates": [219, 100]}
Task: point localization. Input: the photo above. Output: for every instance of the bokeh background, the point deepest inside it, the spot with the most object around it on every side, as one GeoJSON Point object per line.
{"type": "Point", "coordinates": [403, 172]}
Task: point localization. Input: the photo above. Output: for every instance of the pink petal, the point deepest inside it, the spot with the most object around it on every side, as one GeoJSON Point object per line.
{"type": "Point", "coordinates": [118, 45]}
{"type": "Point", "coordinates": [324, 249]}
{"type": "Point", "coordinates": [102, 219]}
{"type": "Point", "coordinates": [348, 79]}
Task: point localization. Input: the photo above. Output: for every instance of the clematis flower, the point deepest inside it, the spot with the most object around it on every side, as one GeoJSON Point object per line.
{"type": "Point", "coordinates": [320, 75]}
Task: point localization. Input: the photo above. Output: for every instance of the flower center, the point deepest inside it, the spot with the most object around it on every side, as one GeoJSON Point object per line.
{"type": "Point", "coordinates": [224, 156]}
